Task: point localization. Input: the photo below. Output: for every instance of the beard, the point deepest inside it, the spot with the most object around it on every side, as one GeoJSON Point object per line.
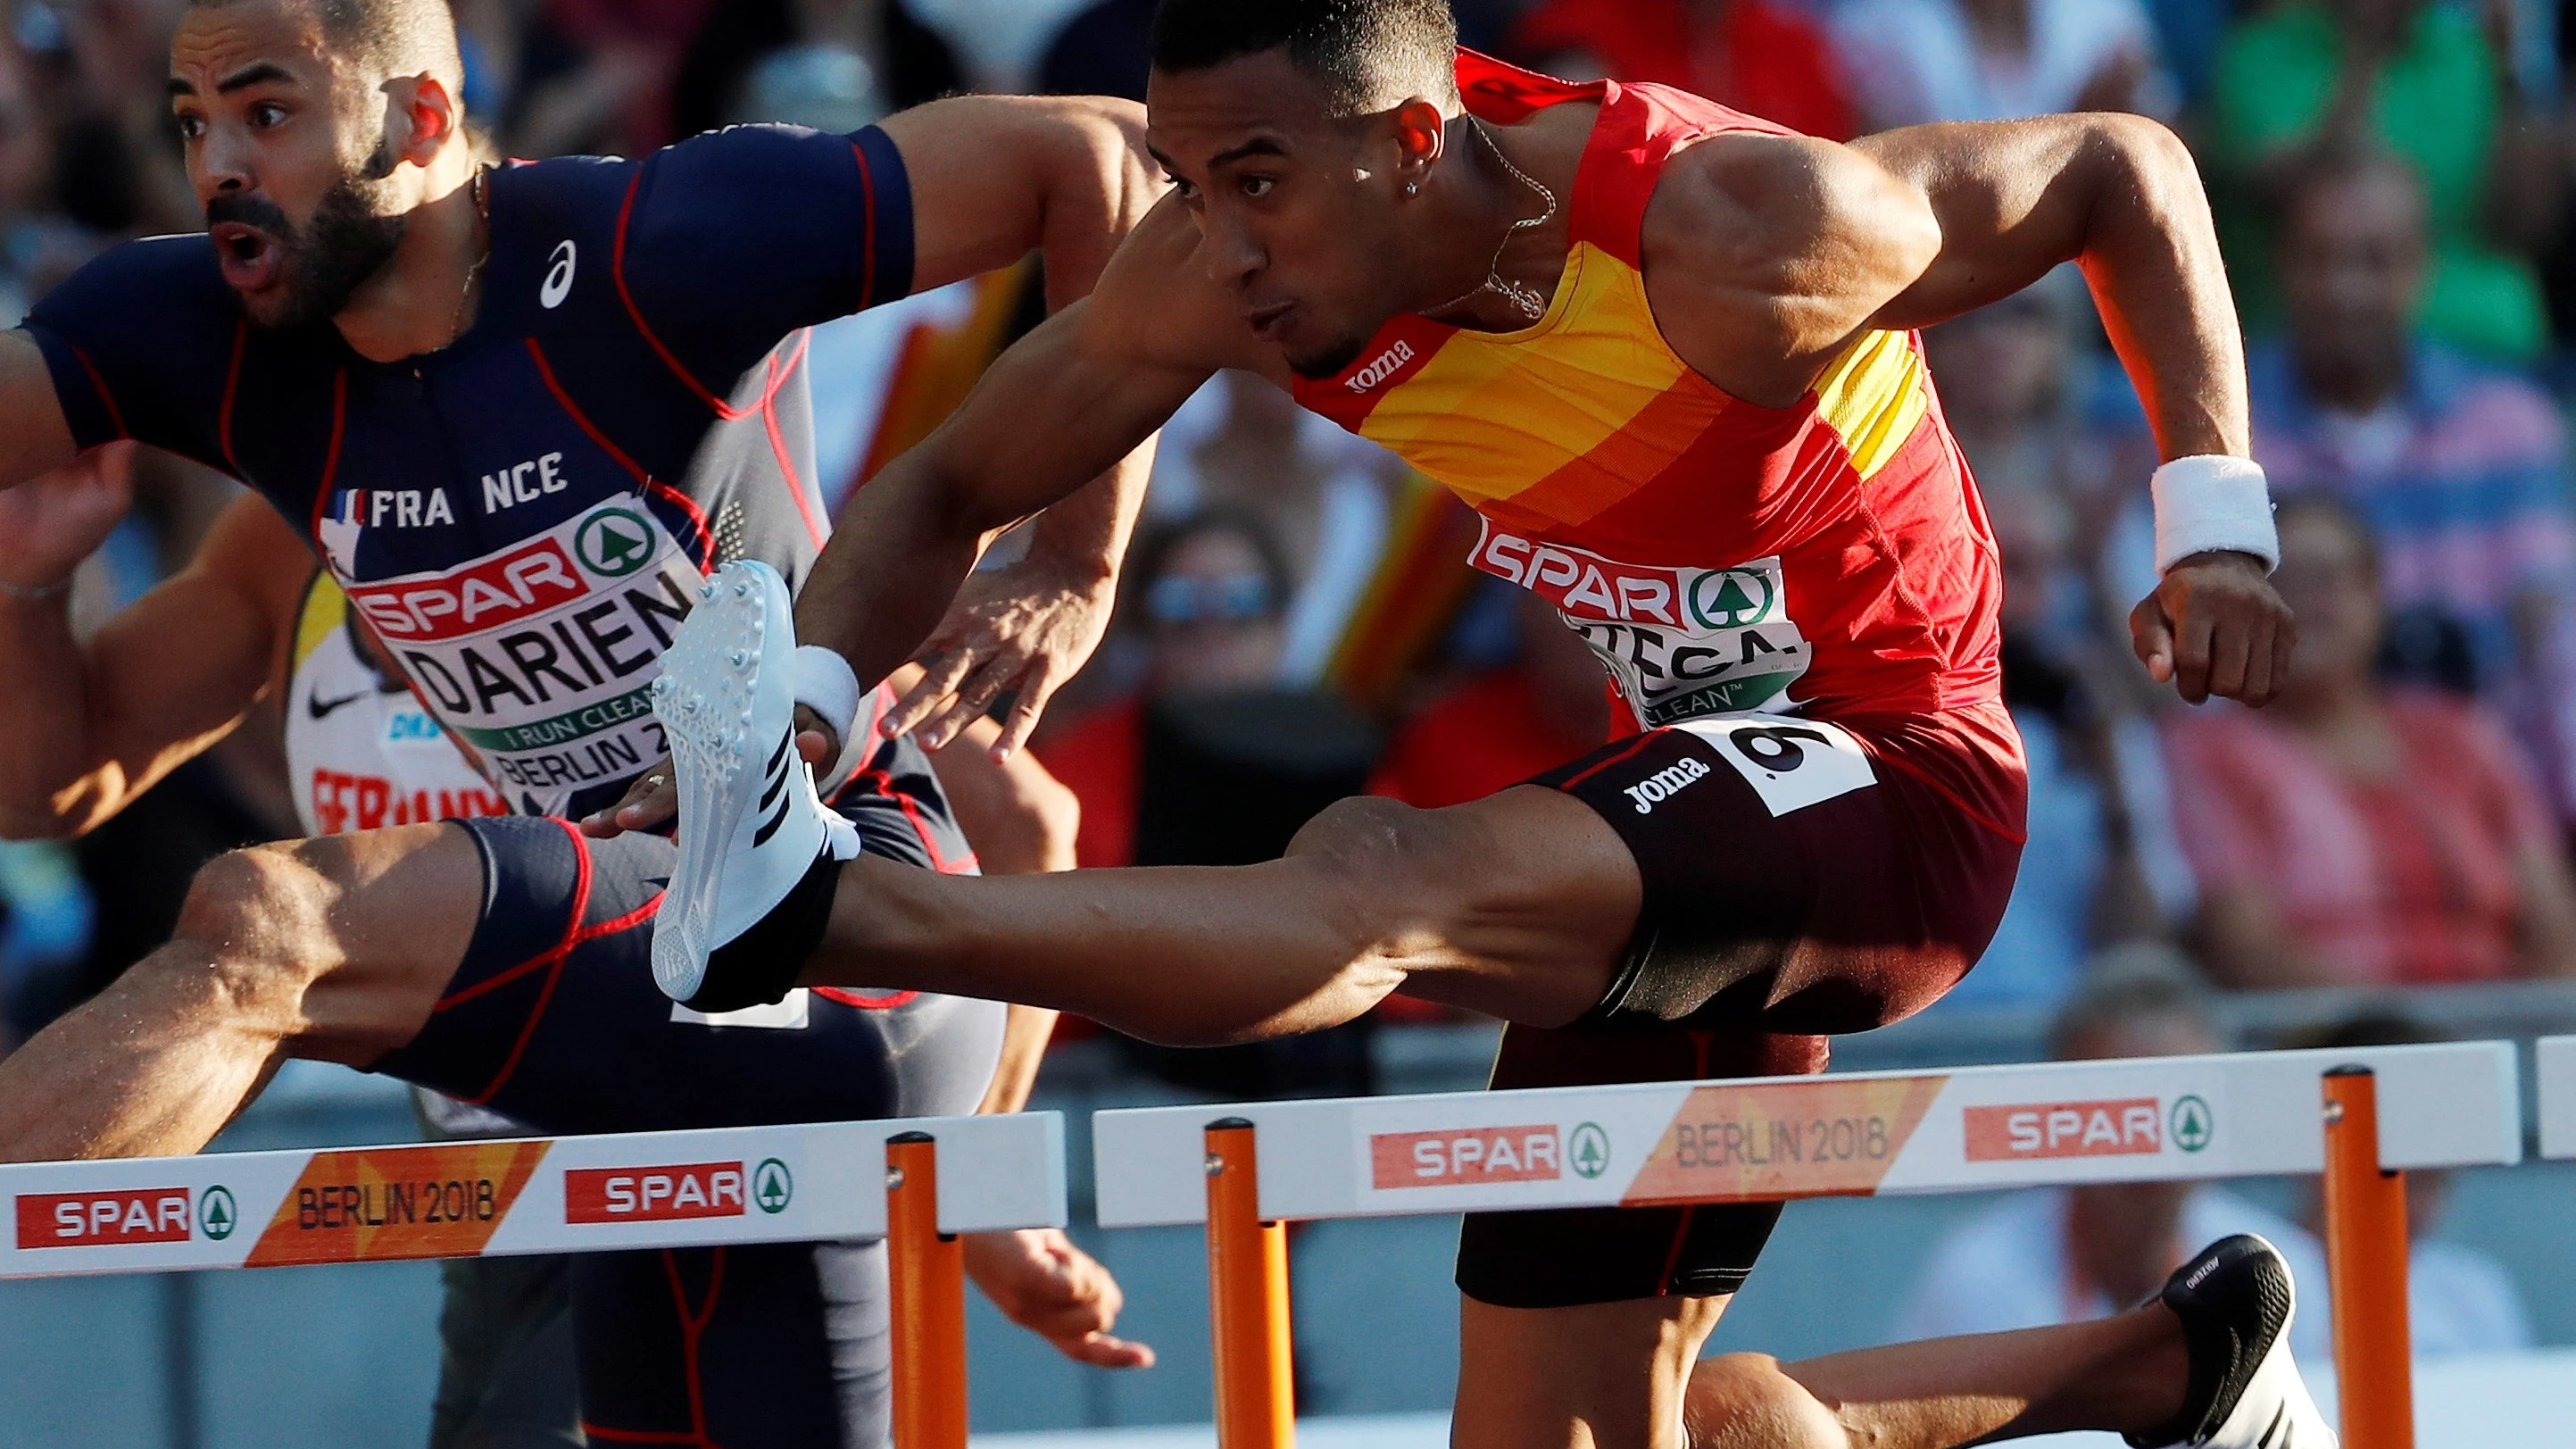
{"type": "Point", "coordinates": [324, 261]}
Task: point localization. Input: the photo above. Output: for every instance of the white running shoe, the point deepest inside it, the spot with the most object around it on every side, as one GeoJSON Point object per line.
{"type": "Point", "coordinates": [2236, 1301]}
{"type": "Point", "coordinates": [751, 825]}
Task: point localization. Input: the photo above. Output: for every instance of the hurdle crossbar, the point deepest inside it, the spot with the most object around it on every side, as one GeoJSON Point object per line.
{"type": "Point", "coordinates": [2361, 1118]}
{"type": "Point", "coordinates": [814, 1182]}
{"type": "Point", "coordinates": [2452, 1104]}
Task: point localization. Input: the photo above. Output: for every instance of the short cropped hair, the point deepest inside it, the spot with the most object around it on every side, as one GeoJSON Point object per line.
{"type": "Point", "coordinates": [1367, 55]}
{"type": "Point", "coordinates": [386, 37]}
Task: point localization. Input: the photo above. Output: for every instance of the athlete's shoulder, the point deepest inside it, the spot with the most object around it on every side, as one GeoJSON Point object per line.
{"type": "Point", "coordinates": [768, 162]}
{"type": "Point", "coordinates": [1765, 254]}
{"type": "Point", "coordinates": [576, 193]}
{"type": "Point", "coordinates": [173, 279]}
{"type": "Point", "coordinates": [1758, 200]}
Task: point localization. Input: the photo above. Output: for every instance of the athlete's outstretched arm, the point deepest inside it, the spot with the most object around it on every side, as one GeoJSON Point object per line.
{"type": "Point", "coordinates": [993, 178]}
{"type": "Point", "coordinates": [86, 727]}
{"type": "Point", "coordinates": [996, 177]}
{"type": "Point", "coordinates": [1062, 406]}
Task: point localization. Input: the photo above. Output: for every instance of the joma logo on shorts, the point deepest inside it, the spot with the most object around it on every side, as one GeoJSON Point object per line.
{"type": "Point", "coordinates": [1663, 784]}
{"type": "Point", "coordinates": [1382, 369]}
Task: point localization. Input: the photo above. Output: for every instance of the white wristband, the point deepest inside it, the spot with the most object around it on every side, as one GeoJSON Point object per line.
{"type": "Point", "coordinates": [2211, 504]}
{"type": "Point", "coordinates": [827, 685]}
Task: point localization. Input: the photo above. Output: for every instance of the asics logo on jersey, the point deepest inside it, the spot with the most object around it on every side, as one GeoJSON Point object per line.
{"type": "Point", "coordinates": [774, 800]}
{"type": "Point", "coordinates": [1664, 784]}
{"type": "Point", "coordinates": [1381, 369]}
{"type": "Point", "coordinates": [558, 283]}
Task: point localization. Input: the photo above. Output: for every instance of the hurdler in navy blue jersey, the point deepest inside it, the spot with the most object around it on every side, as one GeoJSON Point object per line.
{"type": "Point", "coordinates": [523, 515]}
{"type": "Point", "coordinates": [519, 414]}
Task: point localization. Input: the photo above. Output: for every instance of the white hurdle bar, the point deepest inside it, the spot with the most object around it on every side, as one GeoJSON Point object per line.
{"type": "Point", "coordinates": [2363, 1117]}
{"type": "Point", "coordinates": [917, 1182]}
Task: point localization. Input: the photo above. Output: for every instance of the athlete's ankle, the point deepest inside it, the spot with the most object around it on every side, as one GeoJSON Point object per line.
{"type": "Point", "coordinates": [2143, 1385]}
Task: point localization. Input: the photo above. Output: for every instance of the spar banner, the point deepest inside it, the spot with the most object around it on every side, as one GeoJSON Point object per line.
{"type": "Point", "coordinates": [2245, 1114]}
{"type": "Point", "coordinates": [824, 1181]}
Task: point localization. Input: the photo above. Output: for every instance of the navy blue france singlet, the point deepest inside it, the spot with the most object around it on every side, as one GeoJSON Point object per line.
{"type": "Point", "coordinates": [525, 515]}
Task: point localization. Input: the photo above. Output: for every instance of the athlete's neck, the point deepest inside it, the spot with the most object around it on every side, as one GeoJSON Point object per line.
{"type": "Point", "coordinates": [1471, 201]}
{"type": "Point", "coordinates": [419, 301]}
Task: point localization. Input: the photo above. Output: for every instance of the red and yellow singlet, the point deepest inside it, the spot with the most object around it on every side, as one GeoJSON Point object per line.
{"type": "Point", "coordinates": [1831, 557]}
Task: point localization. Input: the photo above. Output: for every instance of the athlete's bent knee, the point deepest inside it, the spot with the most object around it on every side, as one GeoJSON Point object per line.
{"type": "Point", "coordinates": [1375, 858]}
{"type": "Point", "coordinates": [261, 916]}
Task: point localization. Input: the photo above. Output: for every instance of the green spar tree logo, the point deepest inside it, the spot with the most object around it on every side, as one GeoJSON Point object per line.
{"type": "Point", "coordinates": [2190, 1123]}
{"type": "Point", "coordinates": [614, 542]}
{"type": "Point", "coordinates": [772, 1186]}
{"type": "Point", "coordinates": [217, 1213]}
{"type": "Point", "coordinates": [1587, 1150]}
{"type": "Point", "coordinates": [1729, 598]}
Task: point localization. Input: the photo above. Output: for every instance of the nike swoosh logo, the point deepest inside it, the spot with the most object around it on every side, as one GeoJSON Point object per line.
{"type": "Point", "coordinates": [321, 708]}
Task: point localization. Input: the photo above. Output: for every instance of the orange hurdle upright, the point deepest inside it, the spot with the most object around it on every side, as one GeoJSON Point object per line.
{"type": "Point", "coordinates": [2366, 1265]}
{"type": "Point", "coordinates": [1247, 1298]}
{"type": "Point", "coordinates": [929, 1280]}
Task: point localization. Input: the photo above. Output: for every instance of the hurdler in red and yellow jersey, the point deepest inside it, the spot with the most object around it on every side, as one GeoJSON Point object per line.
{"type": "Point", "coordinates": [1829, 558]}
{"type": "Point", "coordinates": [1825, 569]}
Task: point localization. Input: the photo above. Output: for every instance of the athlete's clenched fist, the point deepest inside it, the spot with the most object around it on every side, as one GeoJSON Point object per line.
{"type": "Point", "coordinates": [2216, 626]}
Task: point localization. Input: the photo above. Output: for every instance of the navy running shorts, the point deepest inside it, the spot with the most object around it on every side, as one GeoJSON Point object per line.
{"type": "Point", "coordinates": [1802, 881]}
{"type": "Point", "coordinates": [553, 1019]}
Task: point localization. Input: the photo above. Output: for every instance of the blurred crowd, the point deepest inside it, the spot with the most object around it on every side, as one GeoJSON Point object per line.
{"type": "Point", "coordinates": [2391, 180]}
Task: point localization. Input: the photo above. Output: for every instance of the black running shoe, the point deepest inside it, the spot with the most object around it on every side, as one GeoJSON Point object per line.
{"type": "Point", "coordinates": [2235, 1301]}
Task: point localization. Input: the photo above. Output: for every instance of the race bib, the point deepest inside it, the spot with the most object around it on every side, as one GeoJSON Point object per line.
{"type": "Point", "coordinates": [538, 655]}
{"type": "Point", "coordinates": [1679, 642]}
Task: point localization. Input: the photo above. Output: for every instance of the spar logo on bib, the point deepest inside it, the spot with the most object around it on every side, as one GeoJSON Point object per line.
{"type": "Point", "coordinates": [1679, 641]}
{"type": "Point", "coordinates": [537, 655]}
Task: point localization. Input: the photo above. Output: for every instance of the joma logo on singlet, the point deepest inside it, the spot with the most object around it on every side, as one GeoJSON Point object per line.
{"type": "Point", "coordinates": [1382, 369]}
{"type": "Point", "coordinates": [1664, 784]}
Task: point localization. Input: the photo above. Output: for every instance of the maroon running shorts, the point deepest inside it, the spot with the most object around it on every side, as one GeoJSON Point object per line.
{"type": "Point", "coordinates": [1802, 880]}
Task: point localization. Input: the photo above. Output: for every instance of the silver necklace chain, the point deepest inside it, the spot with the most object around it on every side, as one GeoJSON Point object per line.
{"type": "Point", "coordinates": [1526, 299]}
{"type": "Point", "coordinates": [482, 209]}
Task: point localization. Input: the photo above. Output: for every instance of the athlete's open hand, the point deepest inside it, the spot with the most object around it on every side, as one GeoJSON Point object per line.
{"type": "Point", "coordinates": [1021, 631]}
{"type": "Point", "coordinates": [50, 523]}
{"type": "Point", "coordinates": [1045, 1284]}
{"type": "Point", "coordinates": [2216, 626]}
